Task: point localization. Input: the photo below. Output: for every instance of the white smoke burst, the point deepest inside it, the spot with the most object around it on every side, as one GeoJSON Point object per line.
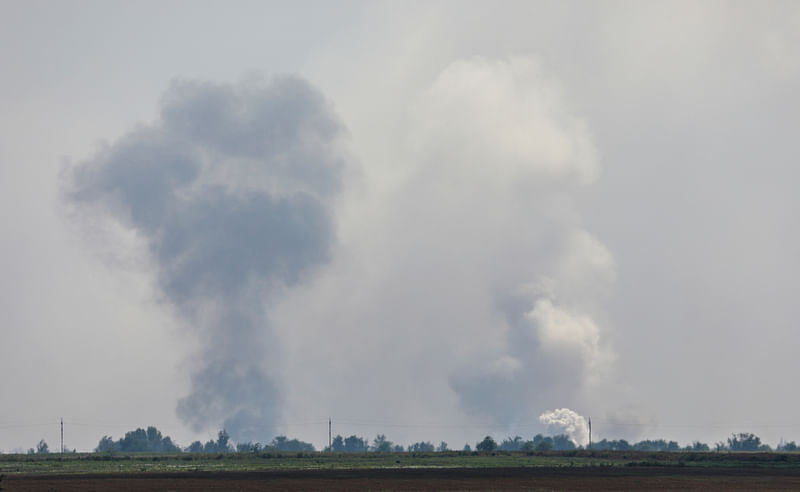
{"type": "Point", "coordinates": [569, 422]}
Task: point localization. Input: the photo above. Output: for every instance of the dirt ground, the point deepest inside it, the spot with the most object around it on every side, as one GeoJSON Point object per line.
{"type": "Point", "coordinates": [635, 478]}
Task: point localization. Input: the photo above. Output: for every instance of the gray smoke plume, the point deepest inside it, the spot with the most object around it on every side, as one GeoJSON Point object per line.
{"type": "Point", "coordinates": [231, 193]}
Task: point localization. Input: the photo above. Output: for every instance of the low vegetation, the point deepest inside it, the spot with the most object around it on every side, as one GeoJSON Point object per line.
{"type": "Point", "coordinates": [151, 440]}
{"type": "Point", "coordinates": [116, 462]}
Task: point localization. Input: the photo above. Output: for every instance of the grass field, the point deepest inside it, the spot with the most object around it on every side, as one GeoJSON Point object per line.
{"type": "Point", "coordinates": [575, 470]}
{"type": "Point", "coordinates": [271, 461]}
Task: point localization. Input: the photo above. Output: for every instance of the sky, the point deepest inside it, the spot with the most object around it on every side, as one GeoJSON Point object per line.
{"type": "Point", "coordinates": [432, 220]}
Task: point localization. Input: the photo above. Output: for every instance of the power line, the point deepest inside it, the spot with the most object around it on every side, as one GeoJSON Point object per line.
{"type": "Point", "coordinates": [712, 426]}
{"type": "Point", "coordinates": [522, 424]}
{"type": "Point", "coordinates": [428, 425]}
{"type": "Point", "coordinates": [27, 424]}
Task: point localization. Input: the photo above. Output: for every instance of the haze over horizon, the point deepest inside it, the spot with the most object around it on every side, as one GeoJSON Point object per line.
{"type": "Point", "coordinates": [432, 220]}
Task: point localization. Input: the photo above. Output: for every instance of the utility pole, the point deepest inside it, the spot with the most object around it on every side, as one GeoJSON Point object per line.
{"type": "Point", "coordinates": [590, 433]}
{"type": "Point", "coordinates": [62, 436]}
{"type": "Point", "coordinates": [329, 435]}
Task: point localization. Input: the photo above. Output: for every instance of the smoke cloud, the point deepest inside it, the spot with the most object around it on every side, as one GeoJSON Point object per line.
{"type": "Point", "coordinates": [564, 420]}
{"type": "Point", "coordinates": [466, 276]}
{"type": "Point", "coordinates": [503, 135]}
{"type": "Point", "coordinates": [468, 280]}
{"type": "Point", "coordinates": [230, 193]}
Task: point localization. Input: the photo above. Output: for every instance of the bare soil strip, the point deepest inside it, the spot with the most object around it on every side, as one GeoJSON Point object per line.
{"type": "Point", "coordinates": [540, 478]}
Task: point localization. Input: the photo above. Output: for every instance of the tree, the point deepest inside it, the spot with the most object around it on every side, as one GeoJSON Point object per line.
{"type": "Point", "coordinates": [221, 445]}
{"type": "Point", "coordinates": [195, 447]}
{"type": "Point", "coordinates": [135, 440]}
{"type": "Point", "coordinates": [248, 447]}
{"type": "Point", "coordinates": [148, 440]}
{"type": "Point", "coordinates": [788, 446]}
{"type": "Point", "coordinates": [105, 445]}
{"type": "Point", "coordinates": [153, 434]}
{"type": "Point", "coordinates": [488, 444]}
{"type": "Point", "coordinates": [656, 445]}
{"type": "Point", "coordinates": [562, 442]}
{"type": "Point", "coordinates": [442, 447]}
{"type": "Point", "coordinates": [223, 441]}
{"type": "Point", "coordinates": [354, 444]}
{"type": "Point", "coordinates": [510, 444]}
{"type": "Point", "coordinates": [337, 444]}
{"type": "Point", "coordinates": [744, 442]}
{"type": "Point", "coordinates": [42, 447]}
{"type": "Point", "coordinates": [421, 447]}
{"type": "Point", "coordinates": [697, 446]}
{"type": "Point", "coordinates": [282, 443]}
{"type": "Point", "coordinates": [541, 443]}
{"type": "Point", "coordinates": [623, 445]}
{"type": "Point", "coordinates": [381, 445]}
{"type": "Point", "coordinates": [467, 449]}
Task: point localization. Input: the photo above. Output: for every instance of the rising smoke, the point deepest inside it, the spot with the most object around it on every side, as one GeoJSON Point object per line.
{"type": "Point", "coordinates": [230, 191]}
{"type": "Point", "coordinates": [468, 281]}
{"type": "Point", "coordinates": [514, 157]}
{"type": "Point", "coordinates": [569, 422]}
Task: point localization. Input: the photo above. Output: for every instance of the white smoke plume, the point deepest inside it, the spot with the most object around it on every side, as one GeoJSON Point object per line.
{"type": "Point", "coordinates": [569, 422]}
{"type": "Point", "coordinates": [513, 155]}
{"type": "Point", "coordinates": [467, 278]}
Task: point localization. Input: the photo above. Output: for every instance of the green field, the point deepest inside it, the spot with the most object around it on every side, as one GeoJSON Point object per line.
{"type": "Point", "coordinates": [17, 464]}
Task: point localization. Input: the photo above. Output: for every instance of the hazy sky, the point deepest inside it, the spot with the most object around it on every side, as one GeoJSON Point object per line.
{"type": "Point", "coordinates": [434, 220]}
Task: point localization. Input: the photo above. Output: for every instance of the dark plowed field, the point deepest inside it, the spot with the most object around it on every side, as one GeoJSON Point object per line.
{"type": "Point", "coordinates": [590, 478]}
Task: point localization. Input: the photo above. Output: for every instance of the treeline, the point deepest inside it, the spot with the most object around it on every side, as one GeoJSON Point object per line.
{"type": "Point", "coordinates": [737, 442]}
{"type": "Point", "coordinates": [561, 442]}
{"type": "Point", "coordinates": [148, 440]}
{"type": "Point", "coordinates": [380, 444]}
{"type": "Point", "coordinates": [151, 440]}
{"type": "Point", "coordinates": [41, 448]}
